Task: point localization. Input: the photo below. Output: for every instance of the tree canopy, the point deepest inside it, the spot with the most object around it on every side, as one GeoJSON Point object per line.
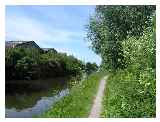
{"type": "Point", "coordinates": [22, 63]}
{"type": "Point", "coordinates": [113, 24]}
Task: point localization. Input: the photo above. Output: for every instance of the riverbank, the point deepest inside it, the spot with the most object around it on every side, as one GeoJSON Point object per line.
{"type": "Point", "coordinates": [79, 102]}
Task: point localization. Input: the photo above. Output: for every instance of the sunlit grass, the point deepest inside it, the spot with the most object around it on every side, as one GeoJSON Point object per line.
{"type": "Point", "coordinates": [79, 102]}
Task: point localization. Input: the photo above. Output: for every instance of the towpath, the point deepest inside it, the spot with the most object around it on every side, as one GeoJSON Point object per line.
{"type": "Point", "coordinates": [97, 105]}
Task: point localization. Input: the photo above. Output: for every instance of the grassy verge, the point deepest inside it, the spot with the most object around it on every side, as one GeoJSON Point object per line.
{"type": "Point", "coordinates": [130, 94]}
{"type": "Point", "coordinates": [79, 102]}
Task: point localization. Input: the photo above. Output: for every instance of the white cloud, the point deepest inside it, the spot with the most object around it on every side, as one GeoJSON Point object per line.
{"type": "Point", "coordinates": [26, 28]}
{"type": "Point", "coordinates": [90, 57]}
{"type": "Point", "coordinates": [22, 27]}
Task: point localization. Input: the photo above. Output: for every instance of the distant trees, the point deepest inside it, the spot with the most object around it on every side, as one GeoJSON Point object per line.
{"type": "Point", "coordinates": [30, 63]}
{"type": "Point", "coordinates": [90, 67]}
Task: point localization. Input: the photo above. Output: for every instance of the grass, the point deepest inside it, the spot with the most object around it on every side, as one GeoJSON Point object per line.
{"type": "Point", "coordinates": [130, 94]}
{"type": "Point", "coordinates": [79, 102]}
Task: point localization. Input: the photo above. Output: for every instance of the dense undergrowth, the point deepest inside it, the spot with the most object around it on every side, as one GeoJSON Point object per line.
{"type": "Point", "coordinates": [79, 102]}
{"type": "Point", "coordinates": [131, 92]}
{"type": "Point", "coordinates": [125, 38]}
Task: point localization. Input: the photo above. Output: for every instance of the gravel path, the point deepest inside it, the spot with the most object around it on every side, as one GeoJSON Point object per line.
{"type": "Point", "coordinates": [97, 105]}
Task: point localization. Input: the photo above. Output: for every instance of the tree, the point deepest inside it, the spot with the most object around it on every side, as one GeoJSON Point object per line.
{"type": "Point", "coordinates": [91, 67]}
{"type": "Point", "coordinates": [23, 67]}
{"type": "Point", "coordinates": [111, 25]}
{"type": "Point", "coordinates": [30, 63]}
{"type": "Point", "coordinates": [134, 49]}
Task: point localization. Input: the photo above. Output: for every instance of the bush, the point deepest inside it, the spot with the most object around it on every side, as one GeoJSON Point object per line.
{"type": "Point", "coordinates": [91, 67]}
{"type": "Point", "coordinates": [31, 63]}
{"type": "Point", "coordinates": [132, 92]}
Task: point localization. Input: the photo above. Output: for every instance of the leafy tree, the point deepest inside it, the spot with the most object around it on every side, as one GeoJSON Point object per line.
{"type": "Point", "coordinates": [131, 92]}
{"type": "Point", "coordinates": [134, 49]}
{"type": "Point", "coordinates": [91, 67]}
{"type": "Point", "coordinates": [111, 25]}
{"type": "Point", "coordinates": [31, 63]}
{"type": "Point", "coordinates": [23, 67]}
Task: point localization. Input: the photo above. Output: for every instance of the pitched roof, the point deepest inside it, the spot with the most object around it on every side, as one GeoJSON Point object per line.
{"type": "Point", "coordinates": [12, 44]}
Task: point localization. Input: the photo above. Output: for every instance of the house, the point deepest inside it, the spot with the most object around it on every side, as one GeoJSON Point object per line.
{"type": "Point", "coordinates": [27, 44]}
{"type": "Point", "coordinates": [21, 44]}
{"type": "Point", "coordinates": [49, 49]}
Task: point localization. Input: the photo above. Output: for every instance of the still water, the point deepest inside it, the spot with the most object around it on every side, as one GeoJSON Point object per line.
{"type": "Point", "coordinates": [24, 102]}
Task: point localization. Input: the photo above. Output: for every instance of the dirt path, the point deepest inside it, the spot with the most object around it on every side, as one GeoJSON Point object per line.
{"type": "Point", "coordinates": [97, 105]}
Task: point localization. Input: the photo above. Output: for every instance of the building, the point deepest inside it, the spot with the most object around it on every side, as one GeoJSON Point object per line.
{"type": "Point", "coordinates": [27, 44]}
{"type": "Point", "coordinates": [21, 44]}
{"type": "Point", "coordinates": [49, 49]}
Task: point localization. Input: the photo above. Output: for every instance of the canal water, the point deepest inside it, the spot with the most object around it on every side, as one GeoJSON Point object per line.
{"type": "Point", "coordinates": [25, 99]}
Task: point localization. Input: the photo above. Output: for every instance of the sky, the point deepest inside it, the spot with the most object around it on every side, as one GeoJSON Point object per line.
{"type": "Point", "coordinates": [59, 27]}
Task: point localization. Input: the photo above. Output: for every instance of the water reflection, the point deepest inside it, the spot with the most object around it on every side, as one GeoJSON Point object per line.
{"type": "Point", "coordinates": [28, 104]}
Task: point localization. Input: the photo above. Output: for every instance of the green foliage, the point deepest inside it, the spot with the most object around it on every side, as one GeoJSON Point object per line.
{"type": "Point", "coordinates": [125, 38]}
{"type": "Point", "coordinates": [134, 49]}
{"type": "Point", "coordinates": [132, 92]}
{"type": "Point", "coordinates": [23, 66]}
{"type": "Point", "coordinates": [79, 102]}
{"type": "Point", "coordinates": [91, 67]}
{"type": "Point", "coordinates": [111, 25]}
{"type": "Point", "coordinates": [31, 63]}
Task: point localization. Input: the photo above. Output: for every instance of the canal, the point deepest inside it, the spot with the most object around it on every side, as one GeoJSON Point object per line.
{"type": "Point", "coordinates": [25, 99]}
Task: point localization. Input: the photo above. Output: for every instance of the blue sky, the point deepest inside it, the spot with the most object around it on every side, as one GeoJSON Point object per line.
{"type": "Point", "coordinates": [59, 27]}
